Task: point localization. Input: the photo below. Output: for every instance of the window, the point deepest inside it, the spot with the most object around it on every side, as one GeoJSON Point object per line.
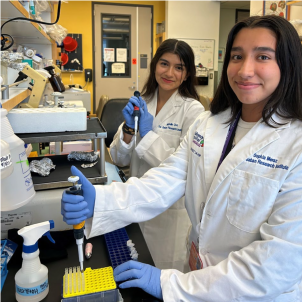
{"type": "Point", "coordinates": [116, 35]}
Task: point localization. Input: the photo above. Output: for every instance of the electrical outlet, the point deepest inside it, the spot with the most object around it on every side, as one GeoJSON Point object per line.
{"type": "Point", "coordinates": [88, 75]}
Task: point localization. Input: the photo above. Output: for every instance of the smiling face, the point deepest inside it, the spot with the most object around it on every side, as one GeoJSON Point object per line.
{"type": "Point", "coordinates": [253, 72]}
{"type": "Point", "coordinates": [170, 72]}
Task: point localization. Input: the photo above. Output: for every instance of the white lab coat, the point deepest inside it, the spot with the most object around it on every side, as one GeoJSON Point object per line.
{"type": "Point", "coordinates": [247, 216]}
{"type": "Point", "coordinates": [166, 235]}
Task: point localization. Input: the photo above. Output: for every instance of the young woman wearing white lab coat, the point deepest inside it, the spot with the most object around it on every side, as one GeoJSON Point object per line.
{"type": "Point", "coordinates": [245, 206]}
{"type": "Point", "coordinates": [173, 106]}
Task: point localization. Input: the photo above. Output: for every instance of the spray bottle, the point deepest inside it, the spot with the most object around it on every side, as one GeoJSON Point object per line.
{"type": "Point", "coordinates": [32, 279]}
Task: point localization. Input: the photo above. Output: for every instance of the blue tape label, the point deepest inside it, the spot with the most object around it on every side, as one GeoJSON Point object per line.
{"type": "Point", "coordinates": [33, 290]}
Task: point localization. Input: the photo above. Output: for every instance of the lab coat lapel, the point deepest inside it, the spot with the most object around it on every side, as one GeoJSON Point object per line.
{"type": "Point", "coordinates": [213, 146]}
{"type": "Point", "coordinates": [168, 109]}
{"type": "Point", "coordinates": [257, 138]}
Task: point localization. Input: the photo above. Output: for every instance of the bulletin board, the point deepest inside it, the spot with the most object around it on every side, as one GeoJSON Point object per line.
{"type": "Point", "coordinates": [203, 51]}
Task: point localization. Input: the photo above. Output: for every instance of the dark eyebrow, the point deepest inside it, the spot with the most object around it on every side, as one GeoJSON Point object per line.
{"type": "Point", "coordinates": [169, 62]}
{"type": "Point", "coordinates": [261, 48]}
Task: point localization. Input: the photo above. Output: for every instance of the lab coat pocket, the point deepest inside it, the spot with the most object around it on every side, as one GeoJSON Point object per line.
{"type": "Point", "coordinates": [250, 200]}
{"type": "Point", "coordinates": [172, 138]}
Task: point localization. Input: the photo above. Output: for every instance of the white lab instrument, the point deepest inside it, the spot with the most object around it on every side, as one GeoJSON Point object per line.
{"type": "Point", "coordinates": [75, 94]}
{"type": "Point", "coordinates": [32, 279]}
{"type": "Point", "coordinates": [16, 189]}
{"type": "Point", "coordinates": [48, 119]}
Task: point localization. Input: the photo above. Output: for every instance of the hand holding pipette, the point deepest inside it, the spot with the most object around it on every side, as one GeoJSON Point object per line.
{"type": "Point", "coordinates": [76, 208]}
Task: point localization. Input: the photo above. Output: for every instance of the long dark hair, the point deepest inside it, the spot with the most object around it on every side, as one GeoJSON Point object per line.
{"type": "Point", "coordinates": [286, 100]}
{"type": "Point", "coordinates": [185, 53]}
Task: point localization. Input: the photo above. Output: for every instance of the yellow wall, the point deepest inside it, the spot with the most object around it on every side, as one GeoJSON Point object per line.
{"type": "Point", "coordinates": [76, 18]}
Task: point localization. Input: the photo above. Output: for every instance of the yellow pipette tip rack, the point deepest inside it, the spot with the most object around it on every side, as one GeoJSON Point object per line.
{"type": "Point", "coordinates": [91, 281]}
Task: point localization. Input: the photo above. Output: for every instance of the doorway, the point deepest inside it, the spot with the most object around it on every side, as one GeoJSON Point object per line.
{"type": "Point", "coordinates": [122, 39]}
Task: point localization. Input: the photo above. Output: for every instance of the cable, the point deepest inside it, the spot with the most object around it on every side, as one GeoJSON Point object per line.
{"type": "Point", "coordinates": [86, 84]}
{"type": "Point", "coordinates": [4, 40]}
{"type": "Point", "coordinates": [25, 19]}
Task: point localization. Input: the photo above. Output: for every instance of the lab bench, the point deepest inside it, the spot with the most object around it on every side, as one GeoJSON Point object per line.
{"type": "Point", "coordinates": [99, 259]}
{"type": "Point", "coordinates": [49, 200]}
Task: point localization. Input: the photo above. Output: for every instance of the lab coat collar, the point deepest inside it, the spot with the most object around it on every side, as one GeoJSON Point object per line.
{"type": "Point", "coordinates": [257, 138]}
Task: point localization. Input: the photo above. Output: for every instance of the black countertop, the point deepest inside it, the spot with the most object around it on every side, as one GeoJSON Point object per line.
{"type": "Point", "coordinates": [99, 259]}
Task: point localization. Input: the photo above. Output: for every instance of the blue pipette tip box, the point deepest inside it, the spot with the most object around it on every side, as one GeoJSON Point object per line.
{"type": "Point", "coordinates": [118, 250]}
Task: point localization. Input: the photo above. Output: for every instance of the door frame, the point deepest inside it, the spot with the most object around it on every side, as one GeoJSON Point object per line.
{"type": "Point", "coordinates": [93, 34]}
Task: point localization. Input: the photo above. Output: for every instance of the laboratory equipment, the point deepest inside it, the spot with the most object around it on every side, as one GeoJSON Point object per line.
{"type": "Point", "coordinates": [48, 119]}
{"type": "Point", "coordinates": [136, 114]}
{"type": "Point", "coordinates": [116, 243]}
{"type": "Point", "coordinates": [74, 94]}
{"type": "Point", "coordinates": [32, 279]}
{"type": "Point", "coordinates": [78, 229]}
{"type": "Point", "coordinates": [17, 189]}
{"type": "Point", "coordinates": [55, 80]}
{"type": "Point", "coordinates": [91, 281]}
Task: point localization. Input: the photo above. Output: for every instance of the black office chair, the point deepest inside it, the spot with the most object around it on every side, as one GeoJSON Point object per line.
{"type": "Point", "coordinates": [112, 117]}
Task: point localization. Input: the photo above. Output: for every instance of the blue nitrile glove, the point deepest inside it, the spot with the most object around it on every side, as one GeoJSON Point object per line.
{"type": "Point", "coordinates": [142, 275]}
{"type": "Point", "coordinates": [145, 121]}
{"type": "Point", "coordinates": [129, 108]}
{"type": "Point", "coordinates": [77, 208]}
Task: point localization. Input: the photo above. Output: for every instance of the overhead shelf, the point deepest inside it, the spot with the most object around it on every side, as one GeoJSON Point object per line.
{"type": "Point", "coordinates": [23, 31]}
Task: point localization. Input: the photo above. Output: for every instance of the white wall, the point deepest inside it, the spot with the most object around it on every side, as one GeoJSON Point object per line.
{"type": "Point", "coordinates": [227, 21]}
{"type": "Point", "coordinates": [195, 20]}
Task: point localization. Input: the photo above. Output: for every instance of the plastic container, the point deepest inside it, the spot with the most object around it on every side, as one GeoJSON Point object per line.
{"type": "Point", "coordinates": [4, 257]}
{"type": "Point", "coordinates": [32, 279]}
{"type": "Point", "coordinates": [70, 44]}
{"type": "Point", "coordinates": [16, 189]}
{"type": "Point", "coordinates": [118, 250]}
{"type": "Point", "coordinates": [107, 296]}
{"type": "Point", "coordinates": [76, 284]}
{"type": "Point", "coordinates": [64, 58]}
{"type": "Point", "coordinates": [6, 160]}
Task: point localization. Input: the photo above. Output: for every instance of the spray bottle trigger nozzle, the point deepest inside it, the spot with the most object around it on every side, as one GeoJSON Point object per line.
{"type": "Point", "coordinates": [47, 234]}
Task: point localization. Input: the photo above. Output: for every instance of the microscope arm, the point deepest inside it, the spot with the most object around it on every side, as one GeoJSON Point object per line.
{"type": "Point", "coordinates": [38, 87]}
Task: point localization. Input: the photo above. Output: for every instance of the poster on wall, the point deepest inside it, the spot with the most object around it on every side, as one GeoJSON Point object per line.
{"type": "Point", "coordinates": [278, 8]}
{"type": "Point", "coordinates": [118, 68]}
{"type": "Point", "coordinates": [221, 52]}
{"type": "Point", "coordinates": [108, 54]}
{"type": "Point", "coordinates": [121, 54]}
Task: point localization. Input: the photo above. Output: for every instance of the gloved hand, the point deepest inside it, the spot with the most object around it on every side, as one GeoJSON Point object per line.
{"type": "Point", "coordinates": [145, 121]}
{"type": "Point", "coordinates": [129, 108]}
{"type": "Point", "coordinates": [144, 276]}
{"type": "Point", "coordinates": [77, 208]}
